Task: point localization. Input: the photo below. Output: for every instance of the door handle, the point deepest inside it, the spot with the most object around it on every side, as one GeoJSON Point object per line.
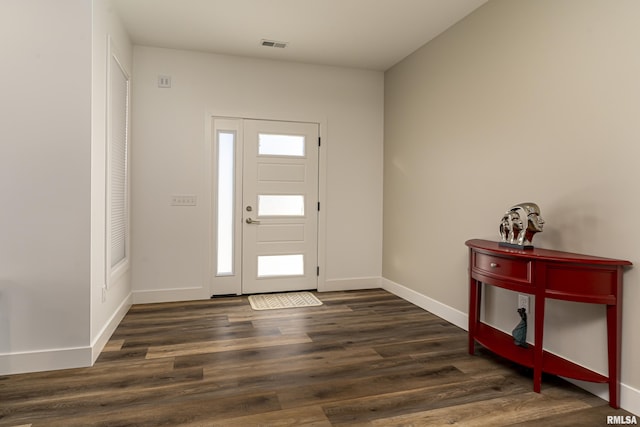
{"type": "Point", "coordinates": [251, 221]}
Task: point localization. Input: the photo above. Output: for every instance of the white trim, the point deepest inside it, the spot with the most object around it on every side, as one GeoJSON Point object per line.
{"type": "Point", "coordinates": [441, 310]}
{"type": "Point", "coordinates": [170, 295]}
{"type": "Point", "coordinates": [210, 117]}
{"type": "Point", "coordinates": [109, 328]}
{"type": "Point", "coordinates": [322, 199]}
{"type": "Point", "coordinates": [114, 273]}
{"type": "Point", "coordinates": [351, 284]}
{"type": "Point", "coordinates": [629, 397]}
{"type": "Point", "coordinates": [63, 358]}
{"type": "Point", "coordinates": [45, 360]}
{"type": "Point", "coordinates": [118, 270]}
{"type": "Point", "coordinates": [202, 293]}
{"type": "Point", "coordinates": [229, 284]}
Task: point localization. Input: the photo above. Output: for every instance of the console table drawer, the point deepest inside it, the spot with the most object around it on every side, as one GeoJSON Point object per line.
{"type": "Point", "coordinates": [507, 268]}
{"type": "Point", "coordinates": [596, 285]}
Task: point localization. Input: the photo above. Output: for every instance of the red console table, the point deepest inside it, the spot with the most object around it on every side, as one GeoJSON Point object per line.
{"type": "Point", "coordinates": [546, 274]}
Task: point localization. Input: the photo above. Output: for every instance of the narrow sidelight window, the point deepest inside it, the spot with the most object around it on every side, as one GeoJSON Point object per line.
{"type": "Point", "coordinates": [226, 190]}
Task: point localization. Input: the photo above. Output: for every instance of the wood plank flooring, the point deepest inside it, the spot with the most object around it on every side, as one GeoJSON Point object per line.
{"type": "Point", "coordinates": [362, 358]}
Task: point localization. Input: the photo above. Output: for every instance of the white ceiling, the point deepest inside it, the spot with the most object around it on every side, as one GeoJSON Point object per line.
{"type": "Point", "coordinates": [370, 34]}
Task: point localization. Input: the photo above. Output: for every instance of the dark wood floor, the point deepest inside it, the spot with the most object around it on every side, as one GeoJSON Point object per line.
{"type": "Point", "coordinates": [362, 358]}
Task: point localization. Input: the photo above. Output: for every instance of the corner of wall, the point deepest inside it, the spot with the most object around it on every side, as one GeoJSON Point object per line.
{"type": "Point", "coordinates": [629, 396]}
{"type": "Point", "coordinates": [441, 310]}
{"type": "Point", "coordinates": [109, 328]}
{"type": "Point", "coordinates": [45, 360]}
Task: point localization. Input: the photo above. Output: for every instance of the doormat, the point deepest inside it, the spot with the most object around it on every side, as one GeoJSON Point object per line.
{"type": "Point", "coordinates": [286, 300]}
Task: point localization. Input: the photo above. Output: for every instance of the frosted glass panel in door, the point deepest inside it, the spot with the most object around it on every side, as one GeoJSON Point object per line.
{"type": "Point", "coordinates": [280, 145]}
{"type": "Point", "coordinates": [280, 265]}
{"type": "Point", "coordinates": [280, 205]}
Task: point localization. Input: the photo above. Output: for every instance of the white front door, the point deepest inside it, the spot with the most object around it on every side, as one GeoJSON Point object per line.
{"type": "Point", "coordinates": [265, 206]}
{"type": "Point", "coordinates": [280, 206]}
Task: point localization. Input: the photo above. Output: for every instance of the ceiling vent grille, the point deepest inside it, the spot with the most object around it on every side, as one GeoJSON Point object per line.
{"type": "Point", "coordinates": [273, 43]}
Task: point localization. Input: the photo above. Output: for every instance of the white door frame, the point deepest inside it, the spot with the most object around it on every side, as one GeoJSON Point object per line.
{"type": "Point", "coordinates": [218, 285]}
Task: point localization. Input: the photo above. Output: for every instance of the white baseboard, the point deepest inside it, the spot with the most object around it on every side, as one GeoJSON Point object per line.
{"type": "Point", "coordinates": [441, 310]}
{"type": "Point", "coordinates": [170, 295]}
{"type": "Point", "coordinates": [352, 284]}
{"type": "Point", "coordinates": [103, 336]}
{"type": "Point", "coordinates": [629, 396]}
{"type": "Point", "coordinates": [63, 358]}
{"type": "Point", "coordinates": [630, 399]}
{"type": "Point", "coordinates": [199, 293]}
{"type": "Point", "coordinates": [45, 360]}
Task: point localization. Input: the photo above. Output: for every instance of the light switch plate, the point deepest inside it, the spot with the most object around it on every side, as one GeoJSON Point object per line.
{"type": "Point", "coordinates": [164, 81]}
{"type": "Point", "coordinates": [184, 200]}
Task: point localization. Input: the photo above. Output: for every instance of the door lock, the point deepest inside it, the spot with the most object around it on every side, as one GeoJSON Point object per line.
{"type": "Point", "coordinates": [249, 208]}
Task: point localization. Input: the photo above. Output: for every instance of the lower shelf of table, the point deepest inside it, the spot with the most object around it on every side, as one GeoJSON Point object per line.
{"type": "Point", "coordinates": [503, 345]}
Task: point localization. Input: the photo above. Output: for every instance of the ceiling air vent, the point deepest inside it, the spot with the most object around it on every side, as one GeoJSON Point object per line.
{"type": "Point", "coordinates": [273, 43]}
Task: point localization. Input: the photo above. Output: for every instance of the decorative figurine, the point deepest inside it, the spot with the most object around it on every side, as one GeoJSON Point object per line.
{"type": "Point", "coordinates": [513, 233]}
{"type": "Point", "coordinates": [520, 331]}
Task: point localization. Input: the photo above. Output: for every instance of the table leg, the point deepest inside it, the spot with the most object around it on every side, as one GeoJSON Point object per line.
{"type": "Point", "coordinates": [538, 342]}
{"type": "Point", "coordinates": [614, 321]}
{"type": "Point", "coordinates": [474, 311]}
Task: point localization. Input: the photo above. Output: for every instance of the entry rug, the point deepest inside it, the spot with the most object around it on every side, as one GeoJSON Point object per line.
{"type": "Point", "coordinates": [286, 300]}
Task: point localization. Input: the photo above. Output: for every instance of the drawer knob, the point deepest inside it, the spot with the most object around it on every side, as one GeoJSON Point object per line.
{"type": "Point", "coordinates": [493, 265]}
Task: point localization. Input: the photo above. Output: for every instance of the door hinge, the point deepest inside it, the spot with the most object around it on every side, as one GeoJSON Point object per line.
{"type": "Point", "coordinates": [319, 141]}
{"type": "Point", "coordinates": [318, 271]}
{"type": "Point", "coordinates": [318, 206]}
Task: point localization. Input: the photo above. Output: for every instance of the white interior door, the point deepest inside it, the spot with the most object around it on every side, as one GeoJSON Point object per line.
{"type": "Point", "coordinates": [280, 206]}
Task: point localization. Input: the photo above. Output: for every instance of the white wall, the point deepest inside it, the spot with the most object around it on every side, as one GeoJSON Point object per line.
{"type": "Point", "coordinates": [534, 100]}
{"type": "Point", "coordinates": [45, 129]}
{"type": "Point", "coordinates": [105, 314]}
{"type": "Point", "coordinates": [171, 155]}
